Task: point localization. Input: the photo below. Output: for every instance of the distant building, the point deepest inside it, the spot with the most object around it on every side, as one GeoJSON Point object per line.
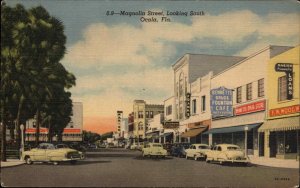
{"type": "Point", "coordinates": [142, 113]}
{"type": "Point", "coordinates": [72, 132]}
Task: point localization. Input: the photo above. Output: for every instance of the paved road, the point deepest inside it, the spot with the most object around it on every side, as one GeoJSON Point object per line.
{"type": "Point", "coordinates": [124, 168]}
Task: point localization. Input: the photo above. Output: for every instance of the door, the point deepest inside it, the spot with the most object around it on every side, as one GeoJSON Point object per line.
{"type": "Point", "coordinates": [40, 154]}
{"type": "Point", "coordinates": [261, 144]}
{"type": "Point", "coordinates": [272, 144]}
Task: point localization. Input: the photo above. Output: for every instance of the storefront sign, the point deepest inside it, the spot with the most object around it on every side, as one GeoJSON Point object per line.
{"type": "Point", "coordinates": [284, 110]}
{"type": "Point", "coordinates": [288, 69]}
{"type": "Point", "coordinates": [171, 125]}
{"type": "Point", "coordinates": [249, 108]}
{"type": "Point", "coordinates": [188, 105]}
{"type": "Point", "coordinates": [221, 102]}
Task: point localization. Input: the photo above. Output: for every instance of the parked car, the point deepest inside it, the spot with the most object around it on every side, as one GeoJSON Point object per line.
{"type": "Point", "coordinates": [223, 153]}
{"type": "Point", "coordinates": [168, 146]}
{"type": "Point", "coordinates": [154, 149]}
{"type": "Point", "coordinates": [197, 151]}
{"type": "Point", "coordinates": [133, 146]}
{"type": "Point", "coordinates": [77, 146]}
{"type": "Point", "coordinates": [178, 149]}
{"type": "Point", "coordinates": [47, 152]}
{"type": "Point", "coordinates": [59, 146]}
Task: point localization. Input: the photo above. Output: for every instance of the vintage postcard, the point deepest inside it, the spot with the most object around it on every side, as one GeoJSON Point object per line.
{"type": "Point", "coordinates": [171, 93]}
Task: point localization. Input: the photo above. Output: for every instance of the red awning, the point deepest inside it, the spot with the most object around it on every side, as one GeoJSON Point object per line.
{"type": "Point", "coordinates": [33, 130]}
{"type": "Point", "coordinates": [71, 131]}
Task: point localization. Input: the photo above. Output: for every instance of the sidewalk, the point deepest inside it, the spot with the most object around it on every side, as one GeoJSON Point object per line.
{"type": "Point", "coordinates": [11, 162]}
{"type": "Point", "coordinates": [273, 162]}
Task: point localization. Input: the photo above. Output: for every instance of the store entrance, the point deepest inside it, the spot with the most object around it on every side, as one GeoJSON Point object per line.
{"type": "Point", "coordinates": [262, 144]}
{"type": "Point", "coordinates": [272, 144]}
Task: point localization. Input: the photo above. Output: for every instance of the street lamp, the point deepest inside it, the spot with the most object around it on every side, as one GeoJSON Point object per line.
{"type": "Point", "coordinates": [246, 131]}
{"type": "Point", "coordinates": [22, 139]}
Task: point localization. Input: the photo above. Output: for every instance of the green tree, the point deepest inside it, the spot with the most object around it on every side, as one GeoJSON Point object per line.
{"type": "Point", "coordinates": [32, 44]}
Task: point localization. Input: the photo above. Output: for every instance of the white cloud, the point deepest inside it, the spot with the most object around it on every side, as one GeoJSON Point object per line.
{"type": "Point", "coordinates": [125, 44]}
{"type": "Point", "coordinates": [119, 91]}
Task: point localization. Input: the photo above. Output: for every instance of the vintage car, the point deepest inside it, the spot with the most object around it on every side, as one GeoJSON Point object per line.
{"type": "Point", "coordinates": [154, 149]}
{"type": "Point", "coordinates": [133, 146]}
{"type": "Point", "coordinates": [47, 152]}
{"type": "Point", "coordinates": [223, 153]}
{"type": "Point", "coordinates": [197, 151]}
{"type": "Point", "coordinates": [178, 149]}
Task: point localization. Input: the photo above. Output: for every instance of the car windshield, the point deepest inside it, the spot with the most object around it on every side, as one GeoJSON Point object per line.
{"type": "Point", "coordinates": [61, 146]}
{"type": "Point", "coordinates": [185, 146]}
{"type": "Point", "coordinates": [233, 148]}
{"type": "Point", "coordinates": [46, 146]}
{"type": "Point", "coordinates": [203, 147]}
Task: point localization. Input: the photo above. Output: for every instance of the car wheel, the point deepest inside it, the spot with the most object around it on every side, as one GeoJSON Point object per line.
{"type": "Point", "coordinates": [28, 160]}
{"type": "Point", "coordinates": [55, 162]}
{"type": "Point", "coordinates": [196, 158]}
{"type": "Point", "coordinates": [143, 154]}
{"type": "Point", "coordinates": [207, 160]}
{"type": "Point", "coordinates": [73, 162]}
{"type": "Point", "coordinates": [186, 156]}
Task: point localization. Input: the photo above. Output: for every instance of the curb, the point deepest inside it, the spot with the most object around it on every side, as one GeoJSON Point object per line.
{"type": "Point", "coordinates": [256, 164]}
{"type": "Point", "coordinates": [12, 165]}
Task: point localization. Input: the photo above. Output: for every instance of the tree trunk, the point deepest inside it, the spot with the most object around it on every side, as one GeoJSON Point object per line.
{"type": "Point", "coordinates": [37, 136]}
{"type": "Point", "coordinates": [3, 141]}
{"type": "Point", "coordinates": [18, 131]}
{"type": "Point", "coordinates": [49, 132]}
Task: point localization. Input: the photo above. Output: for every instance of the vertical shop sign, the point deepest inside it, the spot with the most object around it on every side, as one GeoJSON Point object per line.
{"type": "Point", "coordinates": [288, 69]}
{"type": "Point", "coordinates": [221, 102]}
{"type": "Point", "coordinates": [188, 105]}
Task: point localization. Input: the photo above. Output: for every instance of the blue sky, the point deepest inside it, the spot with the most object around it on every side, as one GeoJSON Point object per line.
{"type": "Point", "coordinates": [117, 59]}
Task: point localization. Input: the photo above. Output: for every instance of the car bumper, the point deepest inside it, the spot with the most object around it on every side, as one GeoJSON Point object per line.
{"type": "Point", "coordinates": [237, 160]}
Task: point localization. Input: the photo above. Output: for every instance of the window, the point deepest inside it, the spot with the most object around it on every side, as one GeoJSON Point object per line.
{"type": "Point", "coordinates": [151, 114]}
{"type": "Point", "coordinates": [140, 114]}
{"type": "Point", "coordinates": [169, 110]}
{"type": "Point", "coordinates": [239, 95]}
{"type": "Point", "coordinates": [249, 91]}
{"type": "Point", "coordinates": [203, 106]}
{"type": "Point", "coordinates": [147, 114]}
{"type": "Point", "coordinates": [282, 88]}
{"type": "Point", "coordinates": [194, 105]}
{"type": "Point", "coordinates": [260, 89]}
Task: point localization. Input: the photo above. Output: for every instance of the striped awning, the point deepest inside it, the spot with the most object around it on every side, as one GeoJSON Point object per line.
{"type": "Point", "coordinates": [283, 124]}
{"type": "Point", "coordinates": [193, 132]}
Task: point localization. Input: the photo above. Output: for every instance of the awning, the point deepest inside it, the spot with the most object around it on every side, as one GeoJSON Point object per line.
{"type": "Point", "coordinates": [284, 124]}
{"type": "Point", "coordinates": [166, 134]}
{"type": "Point", "coordinates": [193, 132]}
{"type": "Point", "coordinates": [232, 129]}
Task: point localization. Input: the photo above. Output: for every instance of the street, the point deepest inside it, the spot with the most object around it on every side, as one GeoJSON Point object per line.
{"type": "Point", "coordinates": [117, 167]}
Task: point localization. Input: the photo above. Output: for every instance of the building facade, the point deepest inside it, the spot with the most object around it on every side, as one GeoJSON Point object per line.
{"type": "Point", "coordinates": [280, 133]}
{"type": "Point", "coordinates": [238, 101]}
{"type": "Point", "coordinates": [192, 76]}
{"type": "Point", "coordinates": [72, 132]}
{"type": "Point", "coordinates": [142, 113]}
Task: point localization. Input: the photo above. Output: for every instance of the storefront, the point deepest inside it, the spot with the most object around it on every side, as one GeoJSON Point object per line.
{"type": "Point", "coordinates": [237, 135]}
{"type": "Point", "coordinates": [283, 137]}
{"type": "Point", "coordinates": [195, 135]}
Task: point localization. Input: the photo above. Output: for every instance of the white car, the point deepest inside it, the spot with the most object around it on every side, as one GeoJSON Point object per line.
{"type": "Point", "coordinates": [133, 146]}
{"type": "Point", "coordinates": [197, 151]}
{"type": "Point", "coordinates": [226, 153]}
{"type": "Point", "coordinates": [154, 149]}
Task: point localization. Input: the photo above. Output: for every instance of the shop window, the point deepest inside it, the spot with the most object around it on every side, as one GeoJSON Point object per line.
{"type": "Point", "coordinates": [239, 95]}
{"type": "Point", "coordinates": [147, 114]}
{"type": "Point", "coordinates": [261, 89]}
{"type": "Point", "coordinates": [203, 107]}
{"type": "Point", "coordinates": [290, 142]}
{"type": "Point", "coordinates": [194, 104]}
{"type": "Point", "coordinates": [280, 142]}
{"type": "Point", "coordinates": [249, 91]}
